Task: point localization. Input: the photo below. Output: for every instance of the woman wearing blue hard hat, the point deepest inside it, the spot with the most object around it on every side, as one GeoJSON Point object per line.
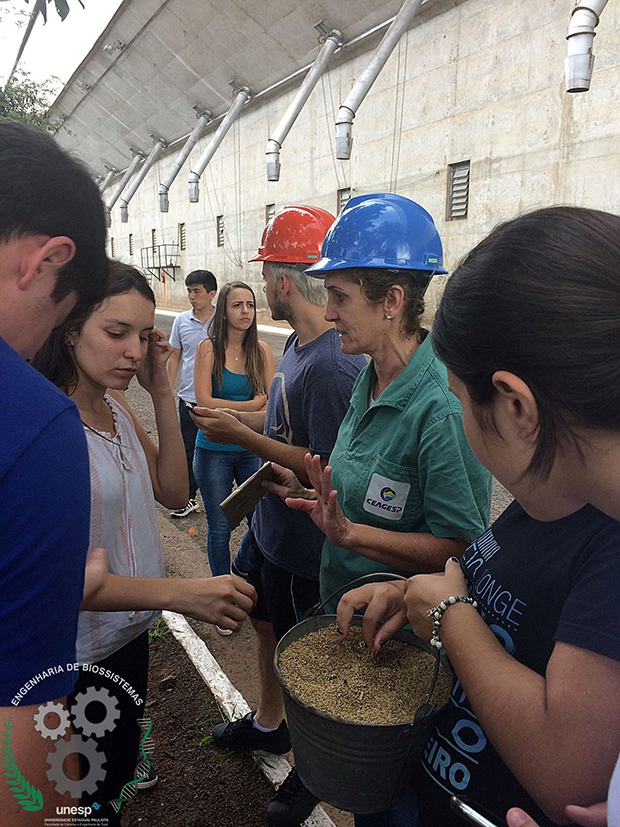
{"type": "Point", "coordinates": [403, 491]}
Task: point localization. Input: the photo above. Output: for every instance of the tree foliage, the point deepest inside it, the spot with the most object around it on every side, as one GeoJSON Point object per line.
{"type": "Point", "coordinates": [25, 101]}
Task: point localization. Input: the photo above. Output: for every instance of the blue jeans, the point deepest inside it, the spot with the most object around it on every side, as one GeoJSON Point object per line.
{"type": "Point", "coordinates": [215, 472]}
{"type": "Point", "coordinates": [403, 814]}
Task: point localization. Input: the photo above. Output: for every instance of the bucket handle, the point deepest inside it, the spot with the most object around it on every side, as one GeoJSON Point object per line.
{"type": "Point", "coordinates": [387, 575]}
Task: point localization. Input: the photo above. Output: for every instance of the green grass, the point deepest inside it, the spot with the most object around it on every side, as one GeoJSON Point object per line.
{"type": "Point", "coordinates": [159, 631]}
{"type": "Point", "coordinates": [208, 717]}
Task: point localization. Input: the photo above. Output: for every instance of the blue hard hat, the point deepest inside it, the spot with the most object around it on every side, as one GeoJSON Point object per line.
{"type": "Point", "coordinates": [382, 231]}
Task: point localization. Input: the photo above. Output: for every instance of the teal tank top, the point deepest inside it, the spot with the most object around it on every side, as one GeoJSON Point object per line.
{"type": "Point", "coordinates": [236, 388]}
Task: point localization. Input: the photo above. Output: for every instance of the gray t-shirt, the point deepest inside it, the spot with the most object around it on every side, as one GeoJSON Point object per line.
{"type": "Point", "coordinates": [308, 399]}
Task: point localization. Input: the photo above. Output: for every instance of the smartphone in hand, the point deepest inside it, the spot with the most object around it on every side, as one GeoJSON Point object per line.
{"type": "Point", "coordinates": [471, 812]}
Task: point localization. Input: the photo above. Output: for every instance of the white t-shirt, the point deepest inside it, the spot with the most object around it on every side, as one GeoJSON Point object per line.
{"type": "Point", "coordinates": [187, 333]}
{"type": "Point", "coordinates": [124, 522]}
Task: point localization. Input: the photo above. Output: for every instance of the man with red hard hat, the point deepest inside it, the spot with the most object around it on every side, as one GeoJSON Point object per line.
{"type": "Point", "coordinates": [308, 399]}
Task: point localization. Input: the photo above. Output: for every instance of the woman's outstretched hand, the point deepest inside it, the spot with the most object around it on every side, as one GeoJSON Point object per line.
{"type": "Point", "coordinates": [325, 512]}
{"type": "Point", "coordinates": [223, 601]}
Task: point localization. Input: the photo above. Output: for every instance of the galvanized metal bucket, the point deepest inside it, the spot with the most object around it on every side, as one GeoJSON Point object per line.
{"type": "Point", "coordinates": [361, 768]}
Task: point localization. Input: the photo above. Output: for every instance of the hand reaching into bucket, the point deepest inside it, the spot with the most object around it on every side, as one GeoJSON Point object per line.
{"type": "Point", "coordinates": [324, 512]}
{"type": "Point", "coordinates": [383, 602]}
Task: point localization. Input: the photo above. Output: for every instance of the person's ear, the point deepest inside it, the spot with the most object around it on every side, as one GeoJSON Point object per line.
{"type": "Point", "coordinates": [70, 339]}
{"type": "Point", "coordinates": [515, 406]}
{"type": "Point", "coordinates": [47, 259]}
{"type": "Point", "coordinates": [283, 283]}
{"type": "Point", "coordinates": [393, 301]}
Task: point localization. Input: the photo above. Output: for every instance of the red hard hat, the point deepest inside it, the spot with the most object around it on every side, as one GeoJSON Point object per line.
{"type": "Point", "coordinates": [295, 235]}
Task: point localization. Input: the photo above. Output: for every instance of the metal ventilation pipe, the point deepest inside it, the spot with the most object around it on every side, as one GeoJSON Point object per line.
{"type": "Point", "coordinates": [274, 144]}
{"type": "Point", "coordinates": [579, 62]}
{"type": "Point", "coordinates": [138, 157]}
{"type": "Point", "coordinates": [111, 172]}
{"type": "Point", "coordinates": [347, 111]}
{"type": "Point", "coordinates": [242, 96]}
{"type": "Point", "coordinates": [157, 150]}
{"type": "Point", "coordinates": [204, 118]}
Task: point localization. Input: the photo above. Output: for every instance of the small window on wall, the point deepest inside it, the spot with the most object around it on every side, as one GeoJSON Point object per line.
{"type": "Point", "coordinates": [182, 237]}
{"type": "Point", "coordinates": [112, 248]}
{"type": "Point", "coordinates": [154, 239]}
{"type": "Point", "coordinates": [130, 244]}
{"type": "Point", "coordinates": [220, 230]}
{"type": "Point", "coordinates": [343, 196]}
{"type": "Point", "coordinates": [270, 211]}
{"type": "Point", "coordinates": [458, 191]}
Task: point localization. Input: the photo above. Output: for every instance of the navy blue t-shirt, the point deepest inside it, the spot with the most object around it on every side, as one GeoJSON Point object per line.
{"type": "Point", "coordinates": [536, 583]}
{"type": "Point", "coordinates": [308, 398]}
{"type": "Point", "coordinates": [44, 533]}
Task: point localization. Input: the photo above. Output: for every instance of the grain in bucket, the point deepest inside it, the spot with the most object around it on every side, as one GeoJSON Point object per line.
{"type": "Point", "coordinates": [356, 765]}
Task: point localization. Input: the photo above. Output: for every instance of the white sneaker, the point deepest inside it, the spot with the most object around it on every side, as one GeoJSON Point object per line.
{"type": "Point", "coordinates": [224, 632]}
{"type": "Point", "coordinates": [192, 505]}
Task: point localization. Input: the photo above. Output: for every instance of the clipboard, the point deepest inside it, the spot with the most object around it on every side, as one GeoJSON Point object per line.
{"type": "Point", "coordinates": [247, 495]}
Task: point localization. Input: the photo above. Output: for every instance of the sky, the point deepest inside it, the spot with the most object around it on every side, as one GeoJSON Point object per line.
{"type": "Point", "coordinates": [55, 48]}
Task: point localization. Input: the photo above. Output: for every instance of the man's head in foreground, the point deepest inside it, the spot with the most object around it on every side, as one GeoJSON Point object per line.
{"type": "Point", "coordinates": [52, 238]}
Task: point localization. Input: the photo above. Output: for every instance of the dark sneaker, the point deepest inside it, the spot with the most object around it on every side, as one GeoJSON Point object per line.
{"type": "Point", "coordinates": [145, 776]}
{"type": "Point", "coordinates": [292, 804]}
{"type": "Point", "coordinates": [242, 734]}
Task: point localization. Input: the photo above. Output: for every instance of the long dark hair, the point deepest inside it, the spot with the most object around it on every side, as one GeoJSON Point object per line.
{"type": "Point", "coordinates": [540, 297]}
{"type": "Point", "coordinates": [55, 359]}
{"type": "Point", "coordinates": [218, 334]}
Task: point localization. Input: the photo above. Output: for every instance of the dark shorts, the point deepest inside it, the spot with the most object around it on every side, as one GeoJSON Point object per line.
{"type": "Point", "coordinates": [283, 597]}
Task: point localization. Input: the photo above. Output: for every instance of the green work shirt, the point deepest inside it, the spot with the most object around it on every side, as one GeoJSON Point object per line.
{"type": "Point", "coordinates": [401, 462]}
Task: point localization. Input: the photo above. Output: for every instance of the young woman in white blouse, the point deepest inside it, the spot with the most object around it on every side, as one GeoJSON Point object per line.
{"type": "Point", "coordinates": [93, 362]}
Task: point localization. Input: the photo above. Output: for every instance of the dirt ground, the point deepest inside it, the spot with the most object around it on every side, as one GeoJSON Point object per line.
{"type": "Point", "coordinates": [197, 788]}
{"type": "Point", "coordinates": [200, 785]}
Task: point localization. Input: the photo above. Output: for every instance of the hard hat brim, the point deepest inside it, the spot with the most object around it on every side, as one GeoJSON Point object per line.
{"type": "Point", "coordinates": [326, 265]}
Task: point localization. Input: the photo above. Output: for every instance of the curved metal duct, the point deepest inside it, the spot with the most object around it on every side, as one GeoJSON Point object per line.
{"type": "Point", "coordinates": [242, 96]}
{"type": "Point", "coordinates": [348, 110]}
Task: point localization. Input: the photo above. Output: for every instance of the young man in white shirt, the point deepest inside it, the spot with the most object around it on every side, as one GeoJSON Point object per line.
{"type": "Point", "coordinates": [188, 330]}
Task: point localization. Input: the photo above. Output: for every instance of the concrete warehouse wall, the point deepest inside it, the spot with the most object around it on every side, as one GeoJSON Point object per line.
{"type": "Point", "coordinates": [483, 81]}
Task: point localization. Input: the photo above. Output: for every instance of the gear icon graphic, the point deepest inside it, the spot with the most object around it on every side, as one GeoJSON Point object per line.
{"type": "Point", "coordinates": [96, 761]}
{"type": "Point", "coordinates": [82, 701]}
{"type": "Point", "coordinates": [63, 720]}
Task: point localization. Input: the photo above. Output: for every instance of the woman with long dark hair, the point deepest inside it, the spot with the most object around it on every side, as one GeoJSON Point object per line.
{"type": "Point", "coordinates": [93, 361]}
{"type": "Point", "coordinates": [529, 329]}
{"type": "Point", "coordinates": [233, 370]}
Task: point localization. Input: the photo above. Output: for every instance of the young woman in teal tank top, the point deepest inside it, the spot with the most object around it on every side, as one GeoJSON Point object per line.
{"type": "Point", "coordinates": [233, 370]}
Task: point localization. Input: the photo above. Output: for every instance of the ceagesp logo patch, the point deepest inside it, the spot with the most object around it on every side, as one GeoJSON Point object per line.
{"type": "Point", "coordinates": [386, 498]}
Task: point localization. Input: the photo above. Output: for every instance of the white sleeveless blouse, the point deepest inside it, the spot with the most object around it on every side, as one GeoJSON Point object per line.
{"type": "Point", "coordinates": [123, 521]}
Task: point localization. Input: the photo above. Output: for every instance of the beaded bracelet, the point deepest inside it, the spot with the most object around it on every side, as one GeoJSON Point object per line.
{"type": "Point", "coordinates": [438, 611]}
